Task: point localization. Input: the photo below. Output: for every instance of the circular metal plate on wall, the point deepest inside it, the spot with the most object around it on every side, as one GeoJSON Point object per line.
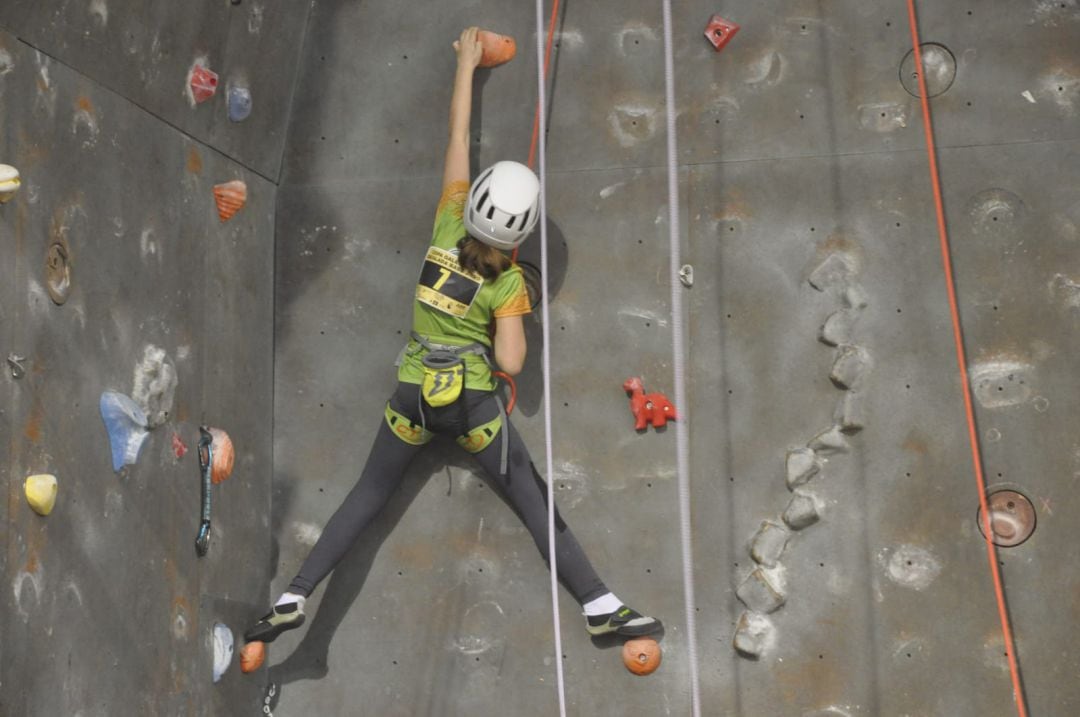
{"type": "Point", "coordinates": [533, 283]}
{"type": "Point", "coordinates": [1012, 518]}
{"type": "Point", "coordinates": [940, 67]}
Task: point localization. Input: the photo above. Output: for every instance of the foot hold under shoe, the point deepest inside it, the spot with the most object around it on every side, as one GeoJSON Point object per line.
{"type": "Point", "coordinates": [278, 620]}
{"type": "Point", "coordinates": [624, 621]}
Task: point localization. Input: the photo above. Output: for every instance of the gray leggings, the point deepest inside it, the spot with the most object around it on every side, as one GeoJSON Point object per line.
{"type": "Point", "coordinates": [521, 485]}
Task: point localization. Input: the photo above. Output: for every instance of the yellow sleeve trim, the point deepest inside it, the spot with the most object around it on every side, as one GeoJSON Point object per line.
{"type": "Point", "coordinates": [454, 193]}
{"type": "Point", "coordinates": [517, 306]}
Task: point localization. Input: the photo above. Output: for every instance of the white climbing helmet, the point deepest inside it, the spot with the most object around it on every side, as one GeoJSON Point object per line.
{"type": "Point", "coordinates": [503, 205]}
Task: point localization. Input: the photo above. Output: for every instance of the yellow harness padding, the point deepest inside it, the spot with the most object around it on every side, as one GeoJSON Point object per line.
{"type": "Point", "coordinates": [481, 437]}
{"type": "Point", "coordinates": [412, 433]}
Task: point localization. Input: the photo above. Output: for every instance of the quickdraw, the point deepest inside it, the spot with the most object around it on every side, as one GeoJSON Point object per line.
{"type": "Point", "coordinates": [206, 462]}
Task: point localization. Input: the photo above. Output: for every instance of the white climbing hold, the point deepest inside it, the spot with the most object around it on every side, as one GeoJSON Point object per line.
{"type": "Point", "coordinates": [850, 413]}
{"type": "Point", "coordinates": [768, 543]}
{"type": "Point", "coordinates": [838, 328]}
{"type": "Point", "coordinates": [802, 465]}
{"type": "Point", "coordinates": [754, 635]}
{"type": "Point", "coordinates": [829, 442]}
{"type": "Point", "coordinates": [851, 364]}
{"type": "Point", "coordinates": [802, 511]}
{"type": "Point", "coordinates": [855, 297]}
{"type": "Point", "coordinates": [223, 649]}
{"type": "Point", "coordinates": [834, 270]}
{"type": "Point", "coordinates": [760, 593]}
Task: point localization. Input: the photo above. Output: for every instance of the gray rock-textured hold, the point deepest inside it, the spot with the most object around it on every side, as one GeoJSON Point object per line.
{"type": "Point", "coordinates": [155, 385]}
{"type": "Point", "coordinates": [855, 297]}
{"type": "Point", "coordinates": [850, 366]}
{"type": "Point", "coordinates": [753, 635]}
{"type": "Point", "coordinates": [839, 327]}
{"type": "Point", "coordinates": [768, 543]}
{"type": "Point", "coordinates": [850, 413]}
{"type": "Point", "coordinates": [801, 512]}
{"type": "Point", "coordinates": [802, 465]}
{"type": "Point", "coordinates": [759, 593]}
{"type": "Point", "coordinates": [834, 270]}
{"type": "Point", "coordinates": [829, 442]}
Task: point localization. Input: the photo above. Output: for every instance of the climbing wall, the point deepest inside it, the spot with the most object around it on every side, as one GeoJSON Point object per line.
{"type": "Point", "coordinates": [839, 567]}
{"type": "Point", "coordinates": [119, 278]}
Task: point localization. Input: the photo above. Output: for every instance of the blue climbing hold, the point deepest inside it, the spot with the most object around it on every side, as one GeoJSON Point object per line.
{"type": "Point", "coordinates": [239, 103]}
{"type": "Point", "coordinates": [126, 424]}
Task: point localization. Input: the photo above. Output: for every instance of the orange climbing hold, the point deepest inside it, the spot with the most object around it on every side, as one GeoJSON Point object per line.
{"type": "Point", "coordinates": [252, 656]}
{"type": "Point", "coordinates": [641, 656]}
{"type": "Point", "coordinates": [498, 49]}
{"type": "Point", "coordinates": [224, 456]}
{"type": "Point", "coordinates": [649, 409]}
{"type": "Point", "coordinates": [230, 197]}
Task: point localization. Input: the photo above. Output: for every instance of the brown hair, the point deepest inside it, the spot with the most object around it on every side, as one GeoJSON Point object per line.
{"type": "Point", "coordinates": [481, 258]}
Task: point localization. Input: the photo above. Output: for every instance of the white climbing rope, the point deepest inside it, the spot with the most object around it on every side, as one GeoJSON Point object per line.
{"type": "Point", "coordinates": [546, 350]}
{"type": "Point", "coordinates": [682, 449]}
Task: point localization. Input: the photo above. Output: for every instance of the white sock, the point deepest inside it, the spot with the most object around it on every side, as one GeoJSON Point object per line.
{"type": "Point", "coordinates": [602, 605]}
{"type": "Point", "coordinates": [287, 598]}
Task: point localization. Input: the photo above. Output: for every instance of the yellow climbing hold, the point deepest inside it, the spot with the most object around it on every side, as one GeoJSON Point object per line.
{"type": "Point", "coordinates": [9, 182]}
{"type": "Point", "coordinates": [41, 493]}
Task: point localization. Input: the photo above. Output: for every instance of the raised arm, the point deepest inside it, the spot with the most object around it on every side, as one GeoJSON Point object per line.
{"type": "Point", "coordinates": [457, 150]}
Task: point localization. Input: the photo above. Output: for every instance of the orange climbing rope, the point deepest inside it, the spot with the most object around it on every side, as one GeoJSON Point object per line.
{"type": "Point", "coordinates": [991, 549]}
{"type": "Point", "coordinates": [532, 162]}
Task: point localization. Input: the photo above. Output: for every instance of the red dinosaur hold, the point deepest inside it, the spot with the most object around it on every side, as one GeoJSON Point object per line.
{"type": "Point", "coordinates": [648, 408]}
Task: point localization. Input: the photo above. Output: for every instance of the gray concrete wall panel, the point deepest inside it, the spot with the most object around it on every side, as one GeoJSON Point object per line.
{"type": "Point", "coordinates": [808, 219]}
{"type": "Point", "coordinates": [798, 143]}
{"type": "Point", "coordinates": [144, 52]}
{"type": "Point", "coordinates": [108, 609]}
{"type": "Point", "coordinates": [377, 80]}
{"type": "Point", "coordinates": [804, 79]}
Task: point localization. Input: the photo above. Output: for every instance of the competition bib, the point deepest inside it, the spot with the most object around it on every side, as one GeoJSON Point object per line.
{"type": "Point", "coordinates": [445, 286]}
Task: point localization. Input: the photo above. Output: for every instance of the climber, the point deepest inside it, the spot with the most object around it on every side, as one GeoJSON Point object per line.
{"type": "Point", "coordinates": [445, 382]}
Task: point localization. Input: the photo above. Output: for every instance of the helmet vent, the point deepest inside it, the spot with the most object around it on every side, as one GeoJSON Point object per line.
{"type": "Point", "coordinates": [525, 219]}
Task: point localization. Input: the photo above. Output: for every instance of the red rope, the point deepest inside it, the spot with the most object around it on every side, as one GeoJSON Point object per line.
{"type": "Point", "coordinates": [532, 162]}
{"type": "Point", "coordinates": [991, 549]}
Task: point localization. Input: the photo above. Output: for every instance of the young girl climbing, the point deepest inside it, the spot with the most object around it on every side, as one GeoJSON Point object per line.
{"type": "Point", "coordinates": [445, 382]}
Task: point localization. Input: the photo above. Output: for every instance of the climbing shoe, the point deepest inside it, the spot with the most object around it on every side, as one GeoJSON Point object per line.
{"type": "Point", "coordinates": [624, 621]}
{"type": "Point", "coordinates": [278, 620]}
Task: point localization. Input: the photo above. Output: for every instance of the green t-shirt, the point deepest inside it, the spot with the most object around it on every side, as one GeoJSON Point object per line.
{"type": "Point", "coordinates": [454, 307]}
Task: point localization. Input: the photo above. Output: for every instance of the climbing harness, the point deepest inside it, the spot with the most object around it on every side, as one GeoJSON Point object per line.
{"type": "Point", "coordinates": [481, 437]}
{"type": "Point", "coordinates": [412, 433]}
{"type": "Point", "coordinates": [442, 385]}
{"type": "Point", "coordinates": [973, 436]}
